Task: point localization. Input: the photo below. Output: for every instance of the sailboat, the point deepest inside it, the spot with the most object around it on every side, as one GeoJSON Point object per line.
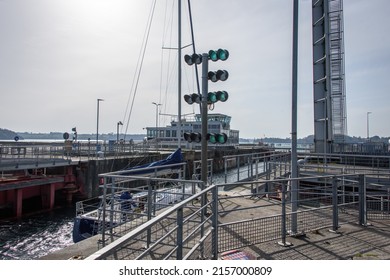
{"type": "Point", "coordinates": [129, 202]}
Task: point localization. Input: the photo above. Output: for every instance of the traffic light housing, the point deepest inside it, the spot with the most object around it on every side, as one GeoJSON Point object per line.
{"type": "Point", "coordinates": [193, 59]}
{"type": "Point", "coordinates": [212, 97]}
{"type": "Point", "coordinates": [192, 98]}
{"type": "Point", "coordinates": [213, 138]}
{"type": "Point", "coordinates": [192, 137]}
{"type": "Point", "coordinates": [220, 75]}
{"type": "Point", "coordinates": [220, 54]}
{"type": "Point", "coordinates": [215, 96]}
{"type": "Point", "coordinates": [217, 138]}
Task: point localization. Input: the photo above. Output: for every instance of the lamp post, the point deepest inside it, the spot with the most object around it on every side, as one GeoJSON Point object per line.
{"type": "Point", "coordinates": [368, 126]}
{"type": "Point", "coordinates": [117, 131]}
{"type": "Point", "coordinates": [97, 124]}
{"type": "Point", "coordinates": [157, 104]}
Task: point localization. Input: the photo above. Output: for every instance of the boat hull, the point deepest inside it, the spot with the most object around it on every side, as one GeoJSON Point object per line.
{"type": "Point", "coordinates": [83, 228]}
{"type": "Point", "coordinates": [88, 224]}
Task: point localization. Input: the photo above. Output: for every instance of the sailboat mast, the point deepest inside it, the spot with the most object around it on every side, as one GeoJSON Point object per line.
{"type": "Point", "coordinates": [179, 76]}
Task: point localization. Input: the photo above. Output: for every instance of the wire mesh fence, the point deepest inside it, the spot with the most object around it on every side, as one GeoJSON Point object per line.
{"type": "Point", "coordinates": [211, 221]}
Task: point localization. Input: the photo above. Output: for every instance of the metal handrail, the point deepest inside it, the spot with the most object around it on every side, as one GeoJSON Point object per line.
{"type": "Point", "coordinates": [333, 222]}
{"type": "Point", "coordinates": [106, 251]}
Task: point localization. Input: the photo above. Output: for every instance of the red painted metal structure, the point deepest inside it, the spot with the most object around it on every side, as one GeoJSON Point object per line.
{"type": "Point", "coordinates": [15, 189]}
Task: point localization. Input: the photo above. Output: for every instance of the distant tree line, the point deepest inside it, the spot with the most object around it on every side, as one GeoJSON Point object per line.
{"type": "Point", "coordinates": [310, 140]}
{"type": "Point", "coordinates": [6, 134]}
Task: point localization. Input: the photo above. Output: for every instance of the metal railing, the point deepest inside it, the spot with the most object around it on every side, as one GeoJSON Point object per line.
{"type": "Point", "coordinates": [31, 154]}
{"type": "Point", "coordinates": [14, 155]}
{"type": "Point", "coordinates": [179, 232]}
{"type": "Point", "coordinates": [66, 149]}
{"type": "Point", "coordinates": [207, 223]}
{"type": "Point", "coordinates": [246, 167]}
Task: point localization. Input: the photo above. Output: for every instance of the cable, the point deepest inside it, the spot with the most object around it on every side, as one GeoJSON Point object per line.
{"type": "Point", "coordinates": [139, 68]}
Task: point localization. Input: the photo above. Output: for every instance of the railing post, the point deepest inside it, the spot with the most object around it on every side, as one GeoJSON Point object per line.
{"type": "Point", "coordinates": [203, 211]}
{"type": "Point", "coordinates": [335, 204]}
{"type": "Point", "coordinates": [225, 167]}
{"type": "Point", "coordinates": [362, 200]}
{"type": "Point", "coordinates": [112, 201]}
{"type": "Point", "coordinates": [214, 222]}
{"type": "Point", "coordinates": [284, 243]}
{"type": "Point", "coordinates": [149, 205]}
{"type": "Point", "coordinates": [268, 174]}
{"type": "Point", "coordinates": [249, 163]}
{"type": "Point", "coordinates": [179, 234]}
{"type": "Point", "coordinates": [104, 212]}
{"type": "Point", "coordinates": [238, 168]}
{"type": "Point", "coordinates": [257, 174]}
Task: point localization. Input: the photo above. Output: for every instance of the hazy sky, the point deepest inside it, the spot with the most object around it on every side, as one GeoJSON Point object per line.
{"type": "Point", "coordinates": [57, 57]}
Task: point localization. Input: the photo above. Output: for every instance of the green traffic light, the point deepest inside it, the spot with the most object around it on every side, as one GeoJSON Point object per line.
{"type": "Point", "coordinates": [222, 96]}
{"type": "Point", "coordinates": [211, 137]}
{"type": "Point", "coordinates": [223, 54]}
{"type": "Point", "coordinates": [220, 54]}
{"type": "Point", "coordinates": [221, 138]}
{"type": "Point", "coordinates": [215, 138]}
{"type": "Point", "coordinates": [213, 97]}
{"type": "Point", "coordinates": [213, 55]}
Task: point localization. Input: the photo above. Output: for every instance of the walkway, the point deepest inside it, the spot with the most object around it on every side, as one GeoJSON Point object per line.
{"type": "Point", "coordinates": [352, 241]}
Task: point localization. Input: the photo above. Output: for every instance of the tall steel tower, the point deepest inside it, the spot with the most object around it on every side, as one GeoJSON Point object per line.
{"type": "Point", "coordinates": [330, 120]}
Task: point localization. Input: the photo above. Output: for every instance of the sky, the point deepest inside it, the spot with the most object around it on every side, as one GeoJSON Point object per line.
{"type": "Point", "coordinates": [58, 57]}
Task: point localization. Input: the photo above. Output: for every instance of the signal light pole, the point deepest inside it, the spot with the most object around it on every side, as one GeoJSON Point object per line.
{"type": "Point", "coordinates": [205, 98]}
{"type": "Point", "coordinates": [205, 70]}
{"type": "Point", "coordinates": [294, 156]}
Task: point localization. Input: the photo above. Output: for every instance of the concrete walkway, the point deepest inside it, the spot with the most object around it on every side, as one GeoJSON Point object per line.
{"type": "Point", "coordinates": [352, 241]}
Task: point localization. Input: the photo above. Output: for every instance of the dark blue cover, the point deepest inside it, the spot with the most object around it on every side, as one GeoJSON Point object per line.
{"type": "Point", "coordinates": [174, 158]}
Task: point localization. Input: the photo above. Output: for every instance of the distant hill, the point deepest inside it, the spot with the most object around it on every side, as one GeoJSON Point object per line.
{"type": "Point", "coordinates": [310, 140]}
{"type": "Point", "coordinates": [6, 134]}
{"type": "Point", "coordinates": [306, 140]}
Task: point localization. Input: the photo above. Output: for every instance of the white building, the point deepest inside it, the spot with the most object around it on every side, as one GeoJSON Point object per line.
{"type": "Point", "coordinates": [217, 123]}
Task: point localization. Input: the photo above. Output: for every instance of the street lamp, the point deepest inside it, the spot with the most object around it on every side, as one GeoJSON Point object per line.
{"type": "Point", "coordinates": [157, 104]}
{"type": "Point", "coordinates": [97, 124]}
{"type": "Point", "coordinates": [368, 126]}
{"type": "Point", "coordinates": [117, 131]}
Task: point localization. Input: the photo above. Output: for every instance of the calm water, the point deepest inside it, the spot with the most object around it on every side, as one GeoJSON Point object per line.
{"type": "Point", "coordinates": [37, 235]}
